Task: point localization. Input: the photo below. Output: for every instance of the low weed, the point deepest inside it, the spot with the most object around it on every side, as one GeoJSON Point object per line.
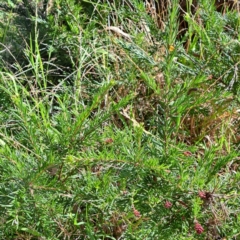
{"type": "Point", "coordinates": [114, 125]}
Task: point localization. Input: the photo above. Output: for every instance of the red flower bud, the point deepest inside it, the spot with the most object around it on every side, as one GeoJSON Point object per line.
{"type": "Point", "coordinates": [168, 204]}
{"type": "Point", "coordinates": [198, 228]}
{"type": "Point", "coordinates": [108, 141]}
{"type": "Point", "coordinates": [136, 213]}
{"type": "Point", "coordinates": [187, 153]}
{"type": "Point", "coordinates": [202, 194]}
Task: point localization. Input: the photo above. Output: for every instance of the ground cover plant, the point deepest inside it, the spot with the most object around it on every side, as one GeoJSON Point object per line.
{"type": "Point", "coordinates": [119, 119]}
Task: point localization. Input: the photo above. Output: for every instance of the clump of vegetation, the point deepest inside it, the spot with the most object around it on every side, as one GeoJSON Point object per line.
{"type": "Point", "coordinates": [118, 121]}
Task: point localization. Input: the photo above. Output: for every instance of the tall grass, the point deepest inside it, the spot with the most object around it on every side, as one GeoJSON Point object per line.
{"type": "Point", "coordinates": [114, 128]}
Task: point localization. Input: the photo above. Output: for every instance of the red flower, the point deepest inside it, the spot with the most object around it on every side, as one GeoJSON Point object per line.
{"type": "Point", "coordinates": [108, 141]}
{"type": "Point", "coordinates": [198, 228]}
{"type": "Point", "coordinates": [136, 213]}
{"type": "Point", "coordinates": [202, 194]}
{"type": "Point", "coordinates": [187, 153]}
{"type": "Point", "coordinates": [168, 204]}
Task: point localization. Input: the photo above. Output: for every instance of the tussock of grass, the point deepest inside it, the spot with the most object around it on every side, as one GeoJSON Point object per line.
{"type": "Point", "coordinates": [114, 125]}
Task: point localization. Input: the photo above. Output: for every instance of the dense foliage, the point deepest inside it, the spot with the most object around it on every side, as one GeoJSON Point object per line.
{"type": "Point", "coordinates": [119, 120]}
